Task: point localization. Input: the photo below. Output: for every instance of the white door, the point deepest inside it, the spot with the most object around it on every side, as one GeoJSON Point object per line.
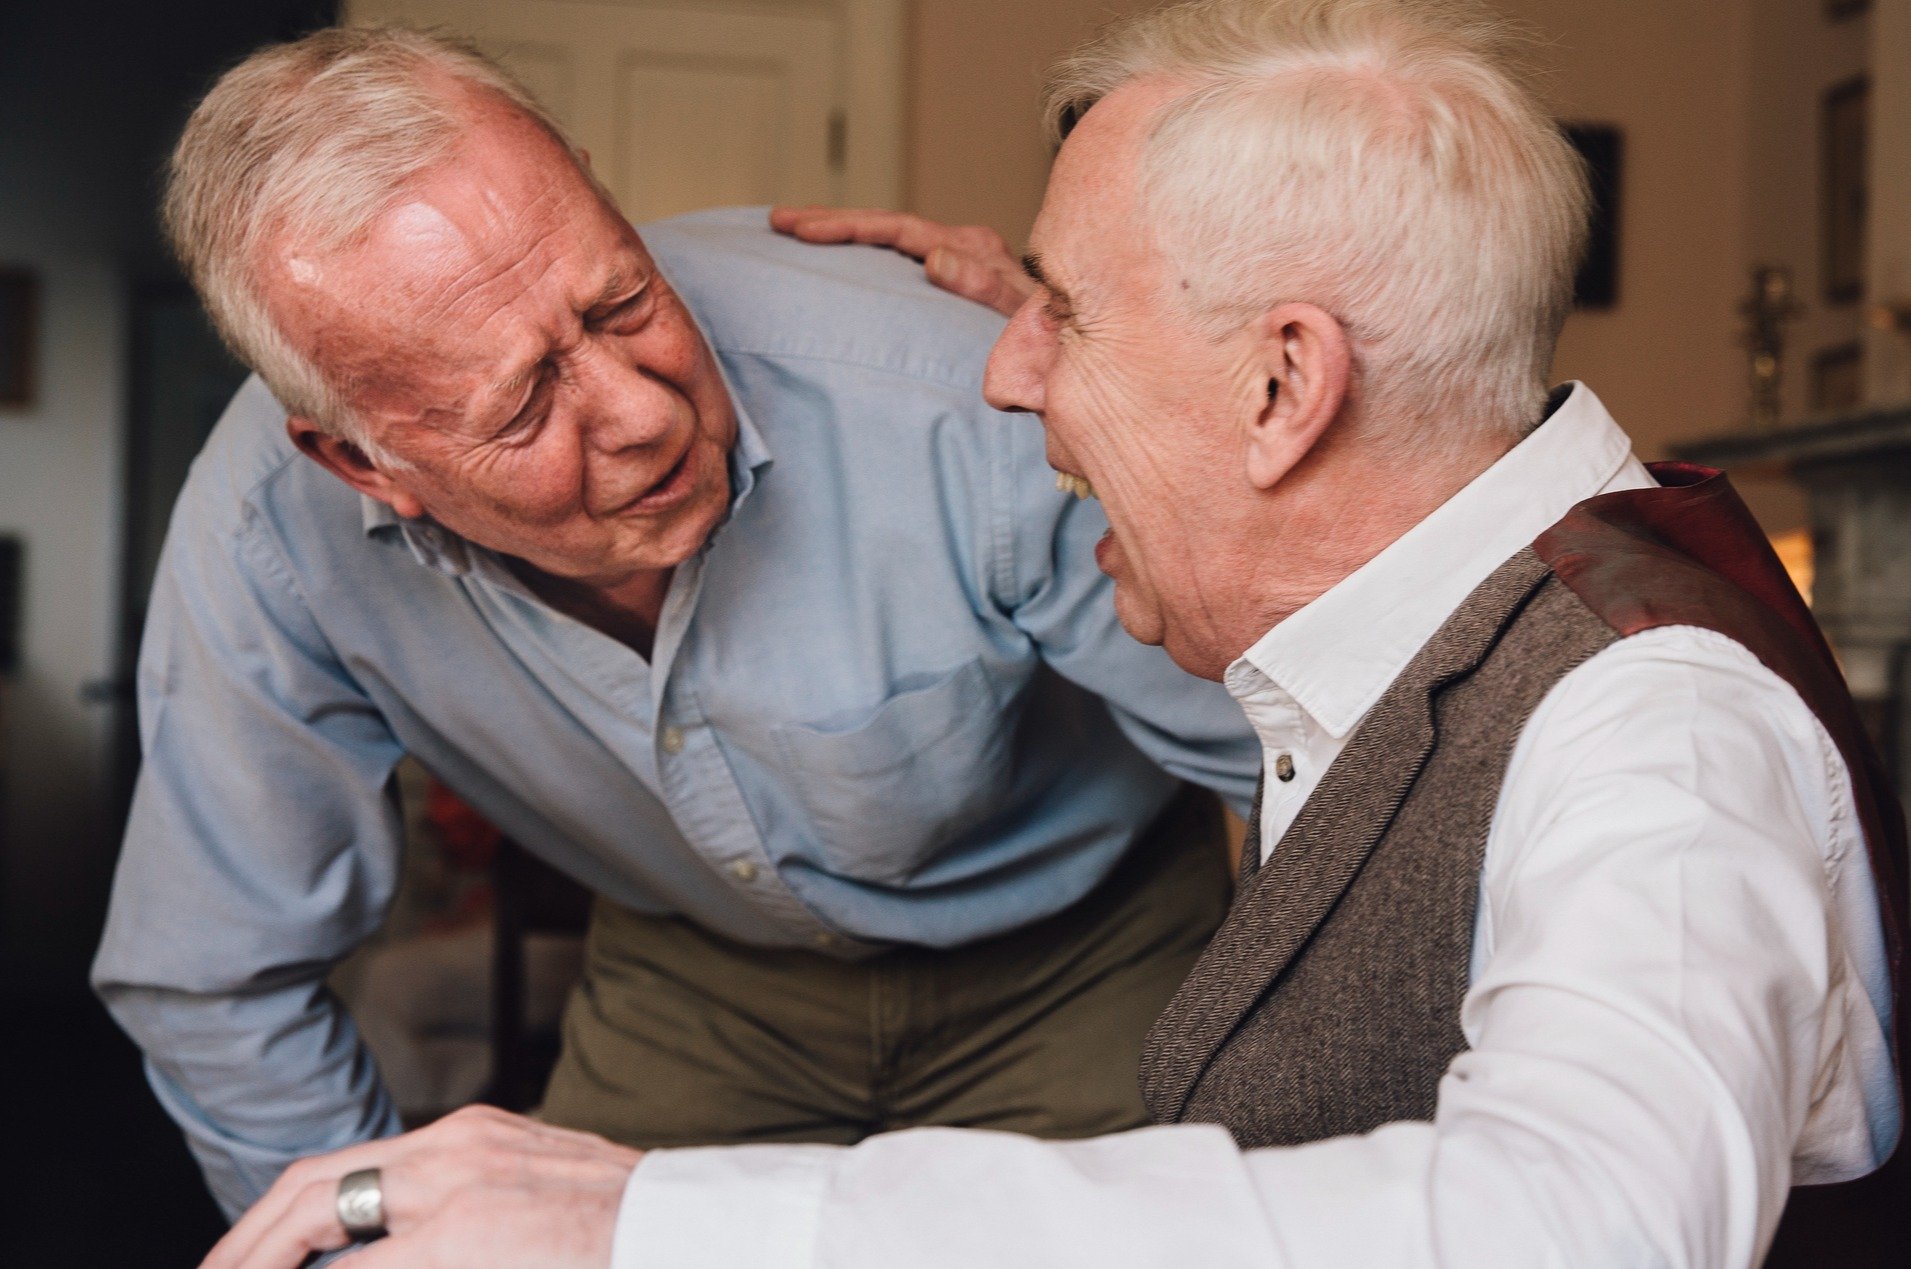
{"type": "Point", "coordinates": [702, 103]}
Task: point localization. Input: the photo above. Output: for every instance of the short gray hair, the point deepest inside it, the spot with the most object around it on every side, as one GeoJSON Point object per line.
{"type": "Point", "coordinates": [1385, 159]}
{"type": "Point", "coordinates": [312, 140]}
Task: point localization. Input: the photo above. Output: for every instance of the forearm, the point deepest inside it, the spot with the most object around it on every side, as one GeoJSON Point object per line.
{"type": "Point", "coordinates": [1408, 1195]}
{"type": "Point", "coordinates": [931, 1198]}
{"type": "Point", "coordinates": [255, 1081]}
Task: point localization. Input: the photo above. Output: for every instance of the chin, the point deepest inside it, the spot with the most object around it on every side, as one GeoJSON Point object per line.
{"type": "Point", "coordinates": [1146, 623]}
{"type": "Point", "coordinates": [1140, 619]}
{"type": "Point", "coordinates": [1192, 659]}
{"type": "Point", "coordinates": [685, 534]}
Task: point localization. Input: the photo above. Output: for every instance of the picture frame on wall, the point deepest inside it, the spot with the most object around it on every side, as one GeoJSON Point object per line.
{"type": "Point", "coordinates": [1844, 197]}
{"type": "Point", "coordinates": [1837, 378]}
{"type": "Point", "coordinates": [19, 336]}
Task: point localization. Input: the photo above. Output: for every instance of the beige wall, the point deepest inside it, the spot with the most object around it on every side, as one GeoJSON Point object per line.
{"type": "Point", "coordinates": [1674, 74]}
{"type": "Point", "coordinates": [976, 153]}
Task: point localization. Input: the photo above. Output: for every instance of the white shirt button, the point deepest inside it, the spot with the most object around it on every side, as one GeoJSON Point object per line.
{"type": "Point", "coordinates": [743, 870]}
{"type": "Point", "coordinates": [1284, 768]}
{"type": "Point", "coordinates": [671, 740]}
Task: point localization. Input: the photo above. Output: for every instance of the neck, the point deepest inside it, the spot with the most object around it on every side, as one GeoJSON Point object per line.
{"type": "Point", "coordinates": [1329, 518]}
{"type": "Point", "coordinates": [627, 610]}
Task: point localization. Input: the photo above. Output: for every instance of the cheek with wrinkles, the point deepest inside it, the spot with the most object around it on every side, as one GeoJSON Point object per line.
{"type": "Point", "coordinates": [1129, 445]}
{"type": "Point", "coordinates": [530, 486]}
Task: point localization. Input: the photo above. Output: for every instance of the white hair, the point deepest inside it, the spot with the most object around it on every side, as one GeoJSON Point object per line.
{"type": "Point", "coordinates": [310, 141]}
{"type": "Point", "coordinates": [1382, 159]}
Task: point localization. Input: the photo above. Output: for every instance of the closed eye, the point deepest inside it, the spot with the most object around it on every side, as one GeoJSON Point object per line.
{"type": "Point", "coordinates": [535, 406]}
{"type": "Point", "coordinates": [625, 315]}
{"type": "Point", "coordinates": [1056, 308]}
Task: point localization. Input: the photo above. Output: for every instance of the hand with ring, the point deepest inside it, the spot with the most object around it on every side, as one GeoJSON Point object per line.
{"type": "Point", "coordinates": [479, 1187]}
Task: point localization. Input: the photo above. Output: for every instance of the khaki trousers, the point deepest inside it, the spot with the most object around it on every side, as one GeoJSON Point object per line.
{"type": "Point", "coordinates": [678, 1037]}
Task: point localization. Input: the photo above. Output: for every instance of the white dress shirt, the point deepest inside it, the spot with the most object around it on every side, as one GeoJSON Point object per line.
{"type": "Point", "coordinates": [1677, 1010]}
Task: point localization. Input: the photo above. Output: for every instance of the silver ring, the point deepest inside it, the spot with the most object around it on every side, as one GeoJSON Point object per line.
{"type": "Point", "coordinates": [361, 1203]}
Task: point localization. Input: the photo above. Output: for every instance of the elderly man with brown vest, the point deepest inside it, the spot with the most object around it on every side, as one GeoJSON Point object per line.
{"type": "Point", "coordinates": [1569, 918]}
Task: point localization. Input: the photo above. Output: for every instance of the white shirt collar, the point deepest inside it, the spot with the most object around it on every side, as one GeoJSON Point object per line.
{"type": "Point", "coordinates": [1338, 654]}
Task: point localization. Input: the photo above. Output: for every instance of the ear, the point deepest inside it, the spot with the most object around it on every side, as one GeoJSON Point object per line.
{"type": "Point", "coordinates": [1306, 361]}
{"type": "Point", "coordinates": [348, 462]}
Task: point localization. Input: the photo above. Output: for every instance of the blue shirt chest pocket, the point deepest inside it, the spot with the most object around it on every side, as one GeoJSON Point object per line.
{"type": "Point", "coordinates": [886, 790]}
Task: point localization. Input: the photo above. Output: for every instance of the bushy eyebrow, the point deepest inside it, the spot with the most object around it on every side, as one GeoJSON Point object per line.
{"type": "Point", "coordinates": [1032, 265]}
{"type": "Point", "coordinates": [615, 287]}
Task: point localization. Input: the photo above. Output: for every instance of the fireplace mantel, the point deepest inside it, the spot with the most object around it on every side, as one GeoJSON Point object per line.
{"type": "Point", "coordinates": [1860, 433]}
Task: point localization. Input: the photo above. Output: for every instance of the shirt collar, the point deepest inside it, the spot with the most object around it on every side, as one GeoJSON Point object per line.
{"type": "Point", "coordinates": [1339, 653]}
{"type": "Point", "coordinates": [437, 547]}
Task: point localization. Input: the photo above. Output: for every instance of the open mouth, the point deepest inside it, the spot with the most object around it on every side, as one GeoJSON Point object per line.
{"type": "Point", "coordinates": [674, 486]}
{"type": "Point", "coordinates": [1069, 482]}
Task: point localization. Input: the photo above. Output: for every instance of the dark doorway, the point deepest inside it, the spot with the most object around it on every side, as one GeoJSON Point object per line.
{"type": "Point", "coordinates": [93, 93]}
{"type": "Point", "coordinates": [181, 377]}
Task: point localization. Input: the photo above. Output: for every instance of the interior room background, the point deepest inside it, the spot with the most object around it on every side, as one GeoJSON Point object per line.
{"type": "Point", "coordinates": [1719, 107]}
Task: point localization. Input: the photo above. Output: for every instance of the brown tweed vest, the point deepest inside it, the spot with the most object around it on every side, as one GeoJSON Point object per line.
{"type": "Point", "coordinates": [1329, 1000]}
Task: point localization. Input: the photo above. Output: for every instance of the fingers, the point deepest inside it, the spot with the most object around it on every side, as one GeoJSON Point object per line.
{"type": "Point", "coordinates": [400, 1251]}
{"type": "Point", "coordinates": [305, 1222]}
{"type": "Point", "coordinates": [476, 1160]}
{"type": "Point", "coordinates": [912, 235]}
{"type": "Point", "coordinates": [975, 278]}
{"type": "Point", "coordinates": [969, 260]}
{"type": "Point", "coordinates": [299, 1214]}
{"type": "Point", "coordinates": [295, 1187]}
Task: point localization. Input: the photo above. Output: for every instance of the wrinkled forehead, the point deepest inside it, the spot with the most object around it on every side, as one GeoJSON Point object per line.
{"type": "Point", "coordinates": [484, 253]}
{"type": "Point", "coordinates": [1093, 218]}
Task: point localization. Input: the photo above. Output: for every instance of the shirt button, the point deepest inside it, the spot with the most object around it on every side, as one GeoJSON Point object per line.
{"type": "Point", "coordinates": [743, 870]}
{"type": "Point", "coordinates": [672, 740]}
{"type": "Point", "coordinates": [823, 939]}
{"type": "Point", "coordinates": [1284, 768]}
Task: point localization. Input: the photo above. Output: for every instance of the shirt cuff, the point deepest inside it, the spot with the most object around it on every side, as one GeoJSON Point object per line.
{"type": "Point", "coordinates": [752, 1207]}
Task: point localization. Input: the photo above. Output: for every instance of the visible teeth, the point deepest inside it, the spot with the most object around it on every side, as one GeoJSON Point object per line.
{"type": "Point", "coordinates": [1069, 483]}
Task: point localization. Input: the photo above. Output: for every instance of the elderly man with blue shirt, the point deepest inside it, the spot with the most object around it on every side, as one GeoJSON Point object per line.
{"type": "Point", "coordinates": [695, 563]}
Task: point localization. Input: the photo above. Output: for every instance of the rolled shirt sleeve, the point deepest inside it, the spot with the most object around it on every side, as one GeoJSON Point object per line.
{"type": "Point", "coordinates": [262, 847]}
{"type": "Point", "coordinates": [1671, 1021]}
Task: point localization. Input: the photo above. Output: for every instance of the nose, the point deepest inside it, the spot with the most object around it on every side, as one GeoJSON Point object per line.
{"type": "Point", "coordinates": [1020, 362]}
{"type": "Point", "coordinates": [622, 405]}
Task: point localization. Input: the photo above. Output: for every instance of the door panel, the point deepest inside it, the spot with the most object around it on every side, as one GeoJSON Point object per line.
{"type": "Point", "coordinates": [695, 105]}
{"type": "Point", "coordinates": [735, 112]}
{"type": "Point", "coordinates": [546, 70]}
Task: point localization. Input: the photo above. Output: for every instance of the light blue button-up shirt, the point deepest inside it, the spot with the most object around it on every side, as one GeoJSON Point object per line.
{"type": "Point", "coordinates": [888, 702]}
